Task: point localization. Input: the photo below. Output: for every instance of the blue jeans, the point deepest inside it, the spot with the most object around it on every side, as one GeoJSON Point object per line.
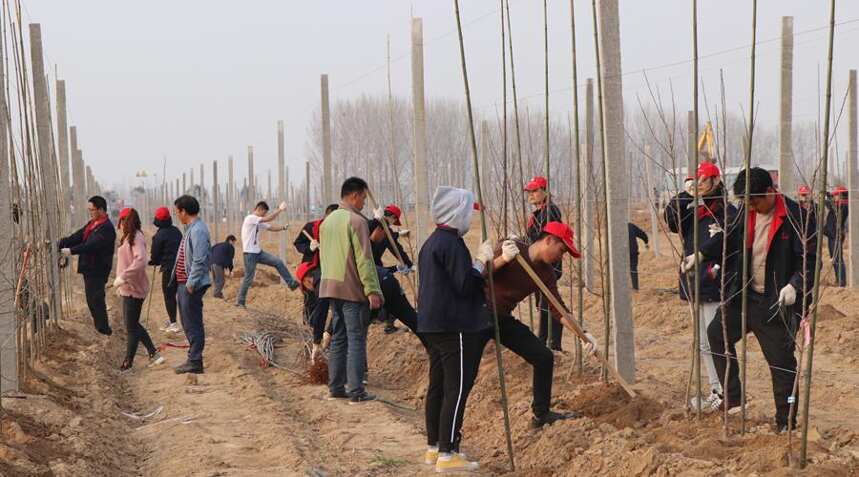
{"type": "Point", "coordinates": [251, 261]}
{"type": "Point", "coordinates": [191, 314]}
{"type": "Point", "coordinates": [347, 356]}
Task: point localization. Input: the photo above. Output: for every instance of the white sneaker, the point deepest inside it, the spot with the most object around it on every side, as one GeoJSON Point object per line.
{"type": "Point", "coordinates": [156, 359]}
{"type": "Point", "coordinates": [173, 328]}
{"type": "Point", "coordinates": [710, 404]}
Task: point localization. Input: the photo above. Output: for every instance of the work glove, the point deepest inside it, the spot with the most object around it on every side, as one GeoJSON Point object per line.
{"type": "Point", "coordinates": [315, 351]}
{"type": "Point", "coordinates": [483, 255]}
{"type": "Point", "coordinates": [314, 245]}
{"type": "Point", "coordinates": [118, 282]}
{"type": "Point", "coordinates": [509, 251]}
{"type": "Point", "coordinates": [66, 252]}
{"type": "Point", "coordinates": [282, 206]}
{"type": "Point", "coordinates": [378, 213]}
{"type": "Point", "coordinates": [714, 229]}
{"type": "Point", "coordinates": [404, 269]}
{"type": "Point", "coordinates": [403, 233]}
{"type": "Point", "coordinates": [590, 343]}
{"type": "Point", "coordinates": [326, 340]}
{"type": "Point", "coordinates": [787, 295]}
{"type": "Point", "coordinates": [689, 262]}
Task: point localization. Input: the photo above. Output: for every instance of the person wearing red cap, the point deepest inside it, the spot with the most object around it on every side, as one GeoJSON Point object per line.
{"type": "Point", "coordinates": [307, 241]}
{"type": "Point", "coordinates": [165, 245]}
{"type": "Point", "coordinates": [545, 211]}
{"type": "Point", "coordinates": [835, 229]}
{"type": "Point", "coordinates": [512, 285]}
{"type": "Point", "coordinates": [713, 211]}
{"type": "Point", "coordinates": [380, 244]}
{"type": "Point", "coordinates": [315, 309]}
{"type": "Point", "coordinates": [94, 244]}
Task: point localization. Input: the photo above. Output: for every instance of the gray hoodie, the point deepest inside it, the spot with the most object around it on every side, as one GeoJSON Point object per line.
{"type": "Point", "coordinates": [453, 208]}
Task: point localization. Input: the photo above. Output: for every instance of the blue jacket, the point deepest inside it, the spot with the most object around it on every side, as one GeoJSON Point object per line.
{"type": "Point", "coordinates": [197, 252]}
{"type": "Point", "coordinates": [451, 298]}
{"type": "Point", "coordinates": [222, 255]}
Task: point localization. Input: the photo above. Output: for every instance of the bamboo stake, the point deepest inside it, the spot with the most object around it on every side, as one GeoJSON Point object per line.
{"type": "Point", "coordinates": [578, 166]}
{"type": "Point", "coordinates": [484, 234]}
{"type": "Point", "coordinates": [547, 145]}
{"type": "Point", "coordinates": [384, 223]}
{"type": "Point", "coordinates": [824, 162]}
{"type": "Point", "coordinates": [506, 179]}
{"type": "Point", "coordinates": [696, 239]}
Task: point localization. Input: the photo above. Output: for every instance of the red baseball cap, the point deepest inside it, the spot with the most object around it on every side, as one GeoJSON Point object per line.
{"type": "Point", "coordinates": [565, 233]}
{"type": "Point", "coordinates": [302, 272]}
{"type": "Point", "coordinates": [538, 182]}
{"type": "Point", "coordinates": [162, 213]}
{"type": "Point", "coordinates": [804, 190]}
{"type": "Point", "coordinates": [839, 190]}
{"type": "Point", "coordinates": [124, 213]}
{"type": "Point", "coordinates": [395, 211]}
{"type": "Point", "coordinates": [707, 170]}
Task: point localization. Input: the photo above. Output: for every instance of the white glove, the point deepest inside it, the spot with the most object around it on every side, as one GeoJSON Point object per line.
{"type": "Point", "coordinates": [314, 245]}
{"type": "Point", "coordinates": [282, 206]}
{"type": "Point", "coordinates": [590, 343]}
{"type": "Point", "coordinates": [118, 282]}
{"type": "Point", "coordinates": [509, 250]}
{"type": "Point", "coordinates": [326, 340]}
{"type": "Point", "coordinates": [378, 213]}
{"type": "Point", "coordinates": [315, 351]}
{"type": "Point", "coordinates": [714, 229]}
{"type": "Point", "coordinates": [66, 251]}
{"type": "Point", "coordinates": [404, 269]}
{"type": "Point", "coordinates": [403, 233]}
{"type": "Point", "coordinates": [485, 252]}
{"type": "Point", "coordinates": [689, 262]}
{"type": "Point", "coordinates": [787, 295]}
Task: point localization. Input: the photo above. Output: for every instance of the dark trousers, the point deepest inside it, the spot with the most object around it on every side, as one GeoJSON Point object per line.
{"type": "Point", "coordinates": [217, 280]}
{"type": "Point", "coordinates": [168, 288]}
{"type": "Point", "coordinates": [397, 305]}
{"type": "Point", "coordinates": [318, 318]}
{"type": "Point", "coordinates": [633, 270]}
{"type": "Point", "coordinates": [454, 360]}
{"type": "Point", "coordinates": [191, 313]}
{"type": "Point", "coordinates": [94, 289]}
{"type": "Point", "coordinates": [545, 321]}
{"type": "Point", "coordinates": [776, 340]}
{"type": "Point", "coordinates": [137, 334]}
{"type": "Point", "coordinates": [516, 337]}
{"type": "Point", "coordinates": [836, 251]}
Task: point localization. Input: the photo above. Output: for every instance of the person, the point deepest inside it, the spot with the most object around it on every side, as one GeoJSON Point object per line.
{"type": "Point", "coordinates": [380, 244]}
{"type": "Point", "coordinates": [635, 234]}
{"type": "Point", "coordinates": [350, 282]}
{"type": "Point", "coordinates": [222, 259]}
{"type": "Point", "coordinates": [780, 263]}
{"type": "Point", "coordinates": [253, 224]}
{"type": "Point", "coordinates": [94, 244]}
{"type": "Point", "coordinates": [165, 244]}
{"type": "Point", "coordinates": [307, 242]}
{"type": "Point", "coordinates": [191, 273]}
{"type": "Point", "coordinates": [132, 286]}
{"type": "Point", "coordinates": [315, 309]}
{"type": "Point", "coordinates": [805, 199]}
{"type": "Point", "coordinates": [452, 319]}
{"type": "Point", "coordinates": [512, 285]}
{"type": "Point", "coordinates": [545, 211]}
{"type": "Point", "coordinates": [713, 212]}
{"type": "Point", "coordinates": [835, 229]}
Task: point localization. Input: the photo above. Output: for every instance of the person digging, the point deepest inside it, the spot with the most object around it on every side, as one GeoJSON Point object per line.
{"type": "Point", "coordinates": [513, 285]}
{"type": "Point", "coordinates": [380, 243]}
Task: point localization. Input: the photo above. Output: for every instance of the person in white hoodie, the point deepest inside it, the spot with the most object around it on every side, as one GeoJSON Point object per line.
{"type": "Point", "coordinates": [132, 285]}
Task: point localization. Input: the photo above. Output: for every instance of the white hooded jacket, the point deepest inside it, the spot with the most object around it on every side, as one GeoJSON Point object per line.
{"type": "Point", "coordinates": [453, 207]}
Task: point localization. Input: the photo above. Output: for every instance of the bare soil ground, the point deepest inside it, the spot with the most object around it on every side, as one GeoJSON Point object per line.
{"type": "Point", "coordinates": [242, 419]}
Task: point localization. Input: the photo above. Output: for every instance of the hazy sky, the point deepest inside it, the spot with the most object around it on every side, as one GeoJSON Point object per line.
{"type": "Point", "coordinates": [199, 80]}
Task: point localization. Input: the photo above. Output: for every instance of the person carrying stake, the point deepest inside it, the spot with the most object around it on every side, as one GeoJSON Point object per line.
{"type": "Point", "coordinates": [380, 244]}
{"type": "Point", "coordinates": [222, 259]}
{"type": "Point", "coordinates": [307, 242]}
{"type": "Point", "coordinates": [351, 284]}
{"type": "Point", "coordinates": [165, 244]}
{"type": "Point", "coordinates": [635, 234]}
{"type": "Point", "coordinates": [452, 318]}
{"type": "Point", "coordinates": [132, 286]}
{"type": "Point", "coordinates": [545, 211]}
{"type": "Point", "coordinates": [781, 253]}
{"type": "Point", "coordinates": [253, 224]}
{"type": "Point", "coordinates": [713, 211]}
{"type": "Point", "coordinates": [512, 285]}
{"type": "Point", "coordinates": [191, 273]}
{"type": "Point", "coordinates": [94, 243]}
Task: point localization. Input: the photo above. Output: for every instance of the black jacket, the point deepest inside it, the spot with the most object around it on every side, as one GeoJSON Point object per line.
{"type": "Point", "coordinates": [96, 252]}
{"type": "Point", "coordinates": [302, 243]}
{"type": "Point", "coordinates": [380, 247]}
{"type": "Point", "coordinates": [790, 259]}
{"type": "Point", "coordinates": [451, 298]}
{"type": "Point", "coordinates": [635, 233]}
{"type": "Point", "coordinates": [836, 220]}
{"type": "Point", "coordinates": [165, 244]}
{"type": "Point", "coordinates": [548, 212]}
{"type": "Point", "coordinates": [222, 255]}
{"type": "Point", "coordinates": [681, 219]}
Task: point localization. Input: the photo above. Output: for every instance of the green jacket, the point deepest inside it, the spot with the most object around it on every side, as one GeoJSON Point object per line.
{"type": "Point", "coordinates": [346, 257]}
